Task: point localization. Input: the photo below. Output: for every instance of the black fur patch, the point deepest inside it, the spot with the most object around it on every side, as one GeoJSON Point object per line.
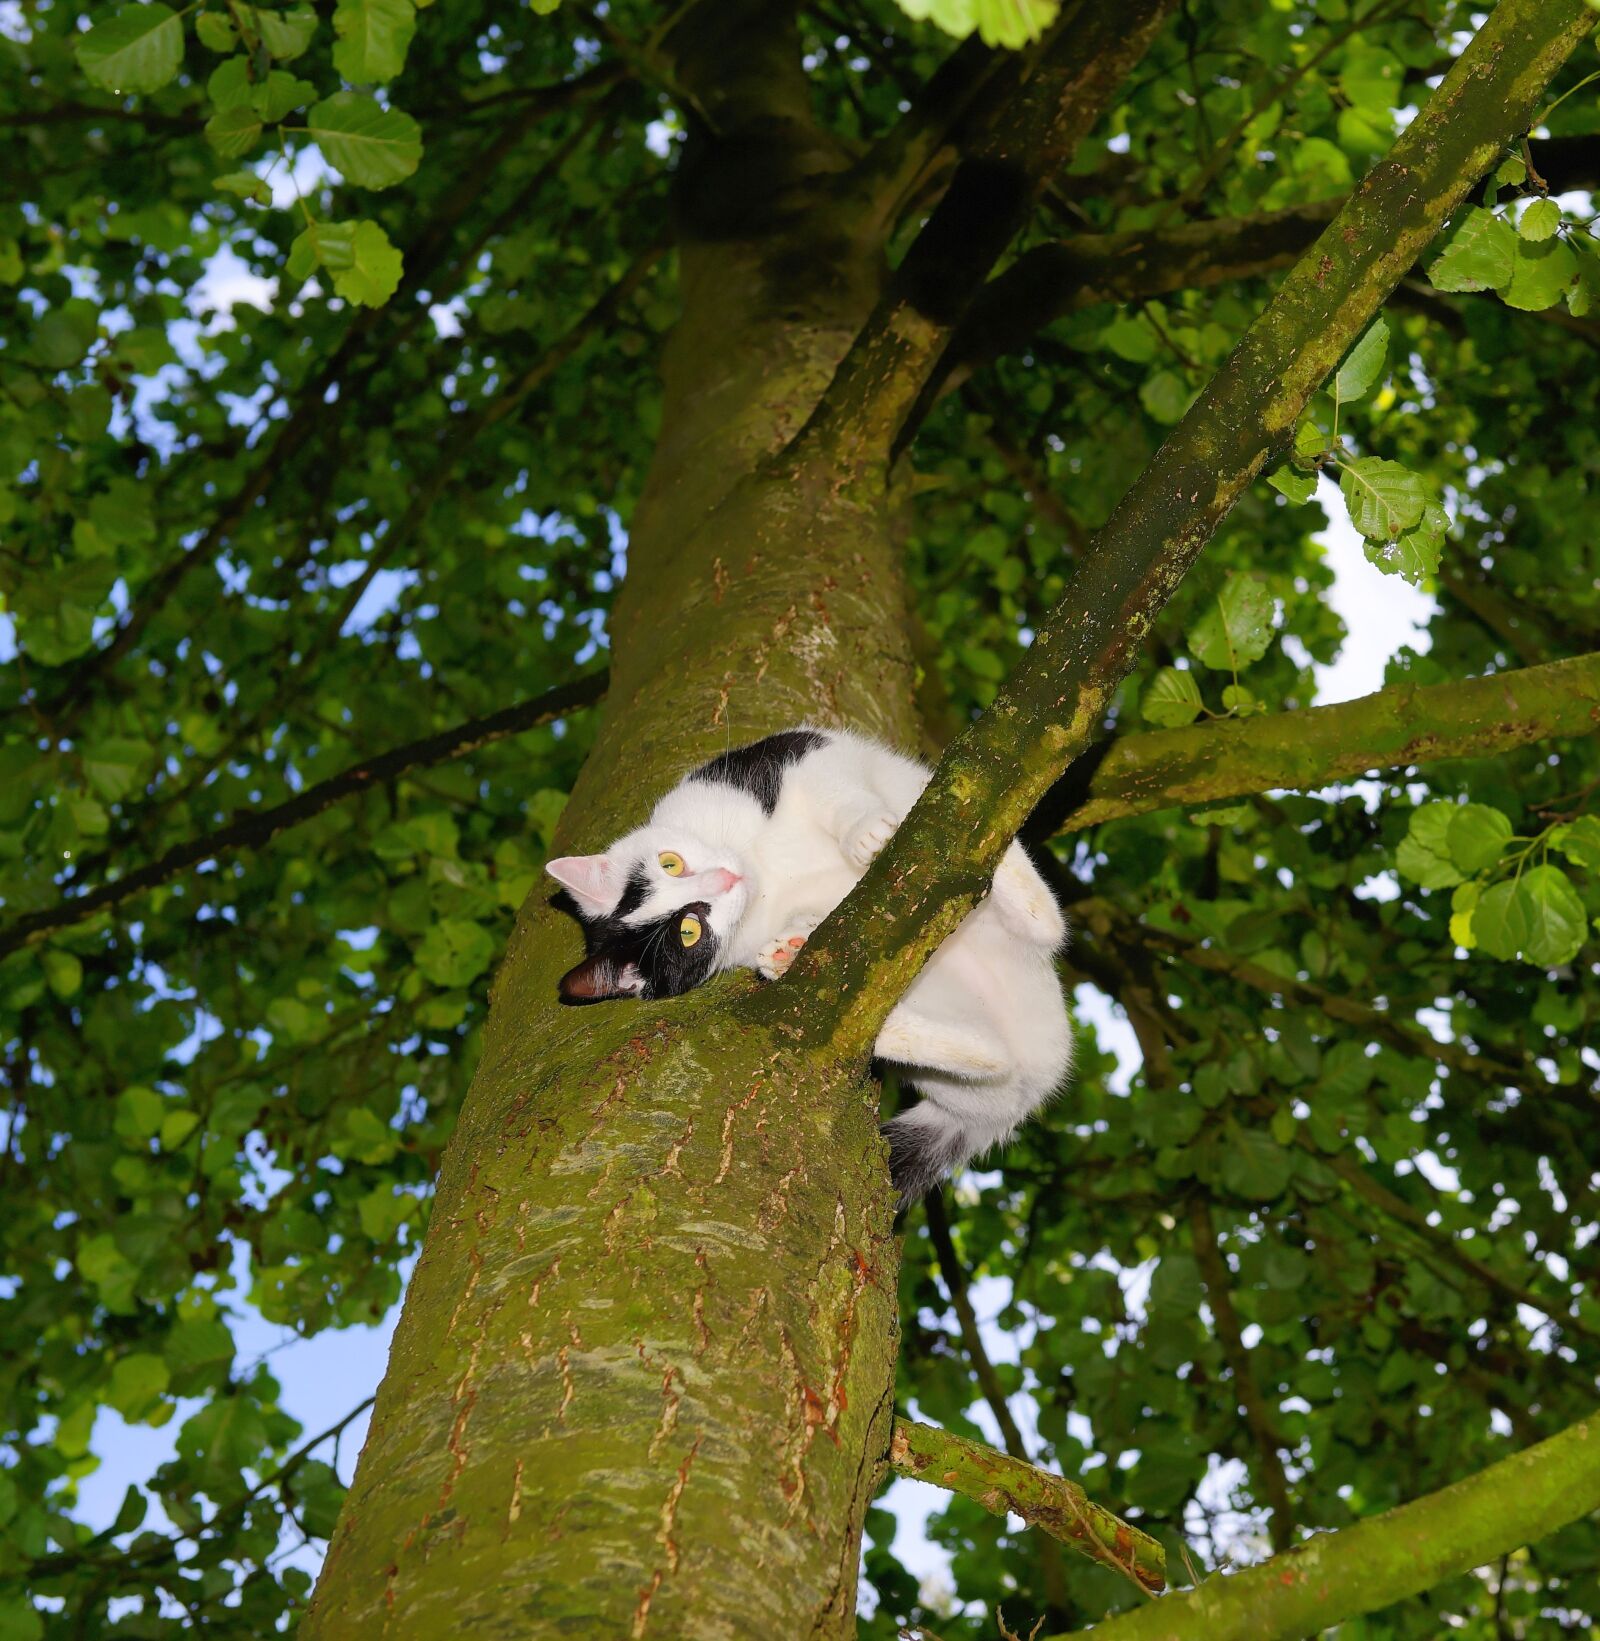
{"type": "Point", "coordinates": [919, 1157]}
{"type": "Point", "coordinates": [666, 966]}
{"type": "Point", "coordinates": [758, 768]}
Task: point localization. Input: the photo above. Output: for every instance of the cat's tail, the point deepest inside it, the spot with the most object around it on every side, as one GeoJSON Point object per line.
{"type": "Point", "coordinates": [927, 1144]}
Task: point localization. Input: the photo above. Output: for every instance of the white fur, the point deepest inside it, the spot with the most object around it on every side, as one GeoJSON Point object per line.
{"type": "Point", "coordinates": [983, 1030]}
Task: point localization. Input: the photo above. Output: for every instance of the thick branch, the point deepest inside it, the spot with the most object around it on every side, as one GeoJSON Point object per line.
{"type": "Point", "coordinates": [1050, 281]}
{"type": "Point", "coordinates": [1337, 1576]}
{"type": "Point", "coordinates": [255, 827]}
{"type": "Point", "coordinates": [1407, 724]}
{"type": "Point", "coordinates": [1085, 270]}
{"type": "Point", "coordinates": [1003, 1485]}
{"type": "Point", "coordinates": [1031, 136]}
{"type": "Point", "coordinates": [1246, 1390]}
{"type": "Point", "coordinates": [940, 862]}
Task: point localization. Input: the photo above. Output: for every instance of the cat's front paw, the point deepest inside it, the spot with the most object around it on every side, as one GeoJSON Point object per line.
{"type": "Point", "coordinates": [864, 841]}
{"type": "Point", "coordinates": [774, 960]}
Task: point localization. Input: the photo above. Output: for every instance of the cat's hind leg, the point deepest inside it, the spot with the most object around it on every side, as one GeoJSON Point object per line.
{"type": "Point", "coordinates": [956, 1046]}
{"type": "Point", "coordinates": [1024, 902]}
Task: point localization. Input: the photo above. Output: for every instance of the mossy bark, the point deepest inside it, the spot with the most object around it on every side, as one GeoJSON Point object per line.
{"type": "Point", "coordinates": [643, 1381]}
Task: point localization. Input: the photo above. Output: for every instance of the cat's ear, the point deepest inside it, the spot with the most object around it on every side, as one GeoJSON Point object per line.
{"type": "Point", "coordinates": [592, 880]}
{"type": "Point", "coordinates": [600, 977]}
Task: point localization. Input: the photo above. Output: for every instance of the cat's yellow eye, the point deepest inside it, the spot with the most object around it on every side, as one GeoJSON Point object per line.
{"type": "Point", "coordinates": [671, 864]}
{"type": "Point", "coordinates": [689, 929]}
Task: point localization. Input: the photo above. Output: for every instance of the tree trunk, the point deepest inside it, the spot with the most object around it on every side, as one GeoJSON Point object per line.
{"type": "Point", "coordinates": [644, 1376]}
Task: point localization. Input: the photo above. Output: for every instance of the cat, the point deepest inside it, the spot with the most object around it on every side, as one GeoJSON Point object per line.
{"type": "Point", "coordinates": [742, 859]}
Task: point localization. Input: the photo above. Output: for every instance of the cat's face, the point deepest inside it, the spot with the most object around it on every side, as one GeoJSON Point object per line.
{"type": "Point", "coordinates": [659, 909]}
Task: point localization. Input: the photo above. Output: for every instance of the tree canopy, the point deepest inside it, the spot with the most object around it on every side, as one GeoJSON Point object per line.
{"type": "Point", "coordinates": [332, 368]}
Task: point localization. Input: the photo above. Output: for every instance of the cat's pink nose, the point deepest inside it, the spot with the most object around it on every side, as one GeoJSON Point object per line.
{"type": "Point", "coordinates": [719, 880]}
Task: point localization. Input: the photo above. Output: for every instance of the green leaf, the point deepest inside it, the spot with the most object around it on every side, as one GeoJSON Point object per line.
{"type": "Point", "coordinates": [373, 37]}
{"type": "Point", "coordinates": [62, 971]}
{"type": "Point", "coordinates": [1463, 903]}
{"type": "Point", "coordinates": [111, 767]}
{"type": "Point", "coordinates": [235, 131]}
{"type": "Point", "coordinates": [139, 1112]}
{"type": "Point", "coordinates": [366, 143]}
{"type": "Point", "coordinates": [138, 1383]}
{"type": "Point", "coordinates": [1254, 1165]}
{"type": "Point", "coordinates": [220, 1440]}
{"type": "Point", "coordinates": [1542, 276]}
{"type": "Point", "coordinates": [382, 1211]}
{"type": "Point", "coordinates": [455, 952]}
{"type": "Point", "coordinates": [1511, 172]}
{"type": "Point", "coordinates": [1414, 555]}
{"type": "Point", "coordinates": [1237, 627]}
{"type": "Point", "coordinates": [215, 31]}
{"type": "Point", "coordinates": [1579, 841]}
{"type": "Point", "coordinates": [364, 266]}
{"type": "Point", "coordinates": [229, 84]}
{"type": "Point", "coordinates": [1501, 920]}
{"type": "Point", "coordinates": [1171, 699]}
{"type": "Point", "coordinates": [1424, 853]}
{"type": "Point", "coordinates": [60, 340]}
{"type": "Point", "coordinates": [286, 34]}
{"type": "Point", "coordinates": [103, 1264]}
{"type": "Point", "coordinates": [1298, 487]}
{"type": "Point", "coordinates": [1013, 23]}
{"type": "Point", "coordinates": [138, 48]}
{"type": "Point", "coordinates": [1363, 365]}
{"type": "Point", "coordinates": [1583, 295]}
{"type": "Point", "coordinates": [1166, 396]}
{"type": "Point", "coordinates": [1383, 497]}
{"type": "Point", "coordinates": [19, 1619]}
{"type": "Point", "coordinates": [246, 184]}
{"type": "Point", "coordinates": [1477, 836]}
{"type": "Point", "coordinates": [375, 268]}
{"type": "Point", "coordinates": [367, 1138]}
{"type": "Point", "coordinates": [1557, 926]}
{"type": "Point", "coordinates": [176, 1127]}
{"type": "Point", "coordinates": [279, 95]}
{"type": "Point", "coordinates": [1540, 220]}
{"type": "Point", "coordinates": [1479, 256]}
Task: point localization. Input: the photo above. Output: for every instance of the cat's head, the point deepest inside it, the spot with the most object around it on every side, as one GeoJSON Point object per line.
{"type": "Point", "coordinates": [659, 909]}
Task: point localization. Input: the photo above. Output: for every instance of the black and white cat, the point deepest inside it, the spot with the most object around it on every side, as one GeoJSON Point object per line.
{"type": "Point", "coordinates": [740, 861]}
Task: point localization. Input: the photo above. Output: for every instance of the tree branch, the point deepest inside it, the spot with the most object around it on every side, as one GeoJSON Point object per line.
{"type": "Point", "coordinates": [1003, 1485]}
{"type": "Point", "coordinates": [1111, 923]}
{"type": "Point", "coordinates": [1246, 1390]}
{"type": "Point", "coordinates": [1230, 758]}
{"type": "Point", "coordinates": [1441, 1242]}
{"type": "Point", "coordinates": [254, 828]}
{"type": "Point", "coordinates": [1053, 280]}
{"type": "Point", "coordinates": [994, 1394]}
{"type": "Point", "coordinates": [1086, 270]}
{"type": "Point", "coordinates": [1032, 134]}
{"type": "Point", "coordinates": [942, 859]}
{"type": "Point", "coordinates": [1336, 1576]}
{"type": "Point", "coordinates": [955, 1283]}
{"type": "Point", "coordinates": [1406, 724]}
